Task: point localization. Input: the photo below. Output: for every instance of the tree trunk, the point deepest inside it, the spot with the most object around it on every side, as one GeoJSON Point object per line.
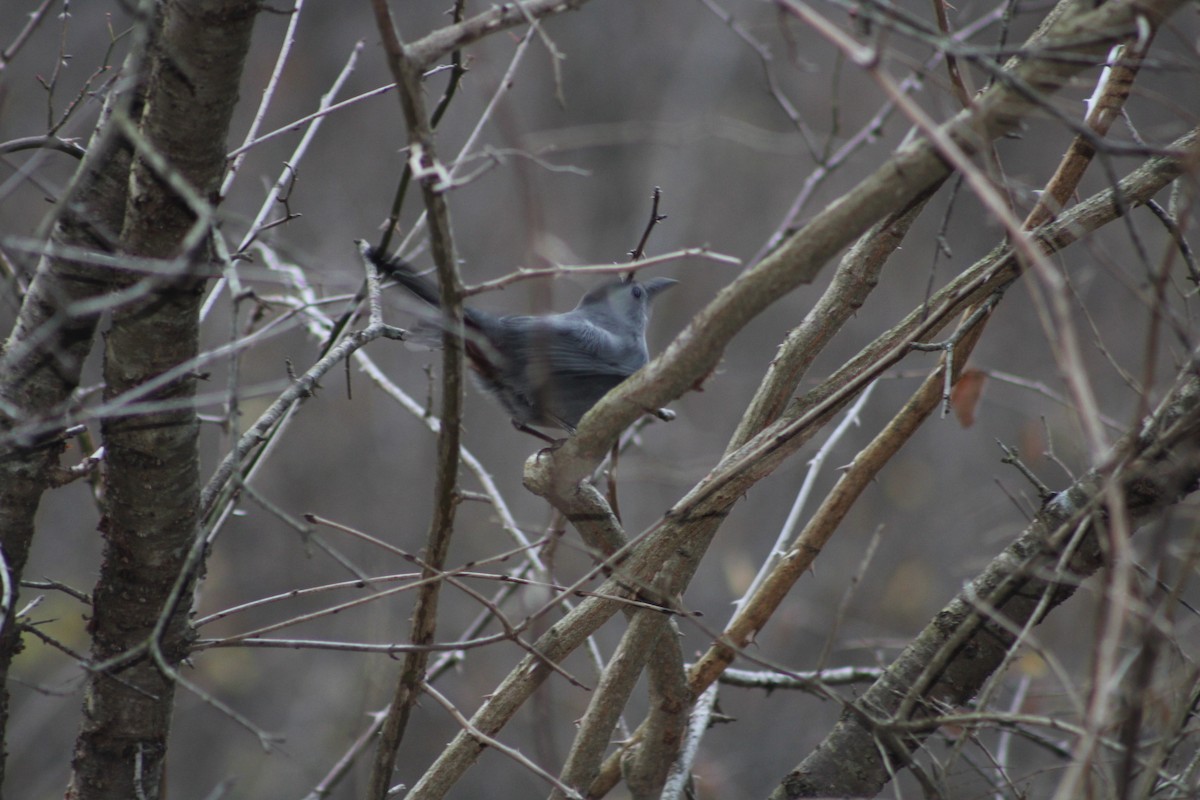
{"type": "Point", "coordinates": [152, 472]}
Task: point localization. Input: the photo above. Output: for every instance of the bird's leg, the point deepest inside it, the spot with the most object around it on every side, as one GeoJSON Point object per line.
{"type": "Point", "coordinates": [521, 426]}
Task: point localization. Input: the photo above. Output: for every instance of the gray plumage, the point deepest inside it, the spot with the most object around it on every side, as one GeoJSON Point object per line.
{"type": "Point", "coordinates": [549, 370]}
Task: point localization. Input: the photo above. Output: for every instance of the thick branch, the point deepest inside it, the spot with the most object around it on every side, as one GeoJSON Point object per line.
{"type": "Point", "coordinates": [1135, 189]}
{"type": "Point", "coordinates": [950, 660]}
{"type": "Point", "coordinates": [696, 520]}
{"type": "Point", "coordinates": [609, 699]}
{"type": "Point", "coordinates": [1071, 44]}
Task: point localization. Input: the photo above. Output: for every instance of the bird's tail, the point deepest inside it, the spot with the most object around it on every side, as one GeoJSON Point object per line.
{"type": "Point", "coordinates": [406, 275]}
{"type": "Point", "coordinates": [427, 333]}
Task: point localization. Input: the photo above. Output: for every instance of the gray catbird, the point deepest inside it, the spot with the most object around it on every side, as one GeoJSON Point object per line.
{"type": "Point", "coordinates": [549, 370]}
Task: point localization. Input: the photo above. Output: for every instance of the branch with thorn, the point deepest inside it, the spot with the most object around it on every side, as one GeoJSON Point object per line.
{"type": "Point", "coordinates": [973, 319]}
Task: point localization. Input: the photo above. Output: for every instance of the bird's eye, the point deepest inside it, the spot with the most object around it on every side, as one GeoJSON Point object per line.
{"type": "Point", "coordinates": [637, 291]}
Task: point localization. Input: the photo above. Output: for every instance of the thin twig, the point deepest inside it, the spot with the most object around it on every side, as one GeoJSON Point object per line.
{"type": "Point", "coordinates": [285, 49]}
{"type": "Point", "coordinates": [639, 252]}
{"type": "Point", "coordinates": [947, 347]}
{"type": "Point", "coordinates": [35, 19]}
{"type": "Point", "coordinates": [1011, 457]}
{"type": "Point", "coordinates": [427, 170]}
{"type": "Point", "coordinates": [681, 769]}
{"type": "Point", "coordinates": [497, 745]}
{"type": "Point", "coordinates": [598, 269]}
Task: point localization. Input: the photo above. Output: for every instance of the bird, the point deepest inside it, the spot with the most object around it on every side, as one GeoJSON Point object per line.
{"type": "Point", "coordinates": [547, 370]}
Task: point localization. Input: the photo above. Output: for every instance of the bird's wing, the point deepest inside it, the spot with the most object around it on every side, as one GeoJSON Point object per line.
{"type": "Point", "coordinates": [562, 345]}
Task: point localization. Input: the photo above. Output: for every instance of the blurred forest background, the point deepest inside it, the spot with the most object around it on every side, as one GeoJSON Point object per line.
{"type": "Point", "coordinates": [730, 107]}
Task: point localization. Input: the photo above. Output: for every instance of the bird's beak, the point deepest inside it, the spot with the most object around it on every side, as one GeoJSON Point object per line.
{"type": "Point", "coordinates": [656, 285]}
